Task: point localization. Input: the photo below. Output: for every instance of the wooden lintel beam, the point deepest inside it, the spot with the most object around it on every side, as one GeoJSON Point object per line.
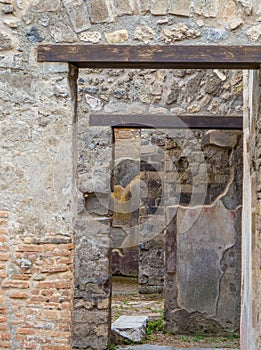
{"type": "Point", "coordinates": [153, 56]}
{"type": "Point", "coordinates": [163, 121]}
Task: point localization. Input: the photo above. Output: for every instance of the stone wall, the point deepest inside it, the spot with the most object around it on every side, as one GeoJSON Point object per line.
{"type": "Point", "coordinates": [38, 153]}
{"type": "Point", "coordinates": [170, 168]}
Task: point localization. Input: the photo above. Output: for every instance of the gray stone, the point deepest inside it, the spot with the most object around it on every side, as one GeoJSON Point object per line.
{"type": "Point", "coordinates": [94, 102]}
{"type": "Point", "coordinates": [254, 32]}
{"type": "Point", "coordinates": [46, 6]}
{"type": "Point", "coordinates": [63, 33]}
{"type": "Point", "coordinates": [129, 327]}
{"type": "Point", "coordinates": [144, 34]}
{"type": "Point", "coordinates": [98, 11]}
{"type": "Point", "coordinates": [235, 23]}
{"type": "Point", "coordinates": [5, 42]}
{"type": "Point", "coordinates": [159, 7]}
{"type": "Point", "coordinates": [223, 138]}
{"type": "Point", "coordinates": [247, 5]}
{"type": "Point", "coordinates": [8, 9]}
{"type": "Point", "coordinates": [200, 282]}
{"type": "Point", "coordinates": [78, 14]}
{"type": "Point", "coordinates": [206, 8]}
{"type": "Point", "coordinates": [123, 7]}
{"type": "Point", "coordinates": [180, 8]}
{"type": "Point", "coordinates": [215, 34]}
{"type": "Point", "coordinates": [34, 36]}
{"type": "Point", "coordinates": [144, 6]}
{"type": "Point", "coordinates": [178, 32]}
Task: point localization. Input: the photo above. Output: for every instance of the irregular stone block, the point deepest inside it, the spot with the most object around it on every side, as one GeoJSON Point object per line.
{"type": "Point", "coordinates": [144, 34]}
{"type": "Point", "coordinates": [46, 6]}
{"type": "Point", "coordinates": [98, 11]}
{"type": "Point", "coordinates": [129, 327]}
{"type": "Point", "coordinates": [206, 8]}
{"type": "Point", "coordinates": [123, 7]}
{"type": "Point", "coordinates": [33, 35]}
{"type": "Point", "coordinates": [178, 32]}
{"type": "Point", "coordinates": [144, 6]}
{"type": "Point", "coordinates": [230, 11]}
{"type": "Point", "coordinates": [5, 42]}
{"type": "Point", "coordinates": [91, 37]}
{"type": "Point", "coordinates": [78, 14]}
{"type": "Point", "coordinates": [119, 36]}
{"type": "Point", "coordinates": [180, 8]}
{"type": "Point", "coordinates": [254, 33]}
{"type": "Point", "coordinates": [63, 33]}
{"type": "Point", "coordinates": [159, 7]}
{"type": "Point", "coordinates": [247, 4]}
{"type": "Point", "coordinates": [235, 23]}
{"type": "Point", "coordinates": [223, 138]}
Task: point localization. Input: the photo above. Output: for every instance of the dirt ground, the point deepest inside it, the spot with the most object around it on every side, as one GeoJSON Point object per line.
{"type": "Point", "coordinates": [127, 301]}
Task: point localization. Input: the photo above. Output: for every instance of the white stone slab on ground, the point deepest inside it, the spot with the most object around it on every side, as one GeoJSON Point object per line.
{"type": "Point", "coordinates": [130, 327]}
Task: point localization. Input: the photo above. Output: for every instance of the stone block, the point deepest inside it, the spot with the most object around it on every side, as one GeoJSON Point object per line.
{"type": "Point", "coordinates": [180, 8]}
{"type": "Point", "coordinates": [91, 37]}
{"type": "Point", "coordinates": [223, 138]}
{"type": "Point", "coordinates": [206, 8]}
{"type": "Point", "coordinates": [159, 7]}
{"type": "Point", "coordinates": [144, 6]}
{"type": "Point", "coordinates": [78, 14]}
{"type": "Point", "coordinates": [254, 32]}
{"type": "Point", "coordinates": [5, 42]}
{"type": "Point", "coordinates": [119, 36]}
{"type": "Point", "coordinates": [62, 33]}
{"type": "Point", "coordinates": [144, 34]}
{"type": "Point", "coordinates": [178, 32]}
{"type": "Point", "coordinates": [129, 327]}
{"type": "Point", "coordinates": [123, 7]}
{"type": "Point", "coordinates": [98, 11]}
{"type": "Point", "coordinates": [46, 6]}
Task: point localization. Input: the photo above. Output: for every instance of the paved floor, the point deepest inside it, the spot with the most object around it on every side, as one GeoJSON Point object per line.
{"type": "Point", "coordinates": [156, 347]}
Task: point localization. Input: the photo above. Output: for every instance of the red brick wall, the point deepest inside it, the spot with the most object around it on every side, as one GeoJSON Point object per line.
{"type": "Point", "coordinates": [36, 291]}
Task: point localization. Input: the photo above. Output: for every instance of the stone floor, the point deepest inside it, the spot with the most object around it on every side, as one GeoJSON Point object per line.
{"type": "Point", "coordinates": [156, 347]}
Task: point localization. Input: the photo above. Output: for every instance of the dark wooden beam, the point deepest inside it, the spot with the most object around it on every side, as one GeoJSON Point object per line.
{"type": "Point", "coordinates": [149, 56]}
{"type": "Point", "coordinates": [163, 121]}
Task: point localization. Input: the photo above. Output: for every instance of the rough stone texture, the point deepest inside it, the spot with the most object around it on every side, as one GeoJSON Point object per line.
{"type": "Point", "coordinates": [98, 11]}
{"type": "Point", "coordinates": [159, 7]}
{"type": "Point", "coordinates": [46, 6]}
{"type": "Point", "coordinates": [91, 37]}
{"type": "Point", "coordinates": [180, 8]}
{"type": "Point", "coordinates": [206, 8]}
{"type": "Point", "coordinates": [38, 166]}
{"type": "Point", "coordinates": [5, 42]}
{"type": "Point", "coordinates": [144, 6]}
{"type": "Point", "coordinates": [129, 327]}
{"type": "Point", "coordinates": [123, 7]}
{"type": "Point", "coordinates": [119, 36]}
{"type": "Point", "coordinates": [254, 33]}
{"type": "Point", "coordinates": [144, 34]}
{"type": "Point", "coordinates": [37, 286]}
{"type": "Point", "coordinates": [62, 33]}
{"type": "Point", "coordinates": [78, 14]}
{"type": "Point", "coordinates": [178, 32]}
